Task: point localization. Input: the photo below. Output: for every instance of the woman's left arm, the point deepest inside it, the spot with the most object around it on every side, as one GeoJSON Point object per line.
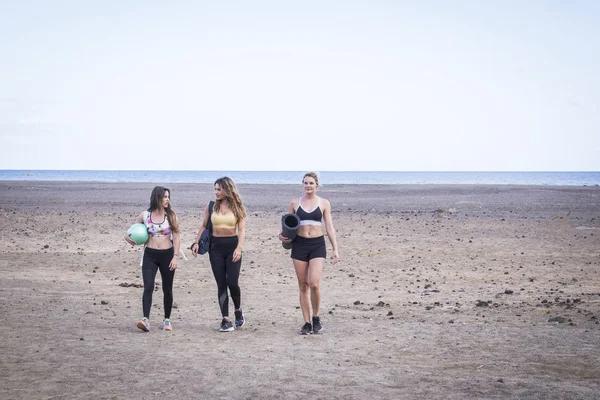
{"type": "Point", "coordinates": [330, 230]}
{"type": "Point", "coordinates": [176, 244]}
{"type": "Point", "coordinates": [237, 253]}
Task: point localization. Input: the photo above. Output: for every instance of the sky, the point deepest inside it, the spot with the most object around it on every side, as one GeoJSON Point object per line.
{"type": "Point", "coordinates": [426, 85]}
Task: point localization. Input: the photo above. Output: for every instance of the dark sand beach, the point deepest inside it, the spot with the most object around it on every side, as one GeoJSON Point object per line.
{"type": "Point", "coordinates": [443, 292]}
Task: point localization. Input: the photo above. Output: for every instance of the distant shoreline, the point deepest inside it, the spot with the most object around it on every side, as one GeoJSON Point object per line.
{"type": "Point", "coordinates": [326, 177]}
{"type": "Point", "coordinates": [323, 187]}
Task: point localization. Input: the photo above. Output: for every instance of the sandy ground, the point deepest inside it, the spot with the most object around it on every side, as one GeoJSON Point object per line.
{"type": "Point", "coordinates": [443, 292]}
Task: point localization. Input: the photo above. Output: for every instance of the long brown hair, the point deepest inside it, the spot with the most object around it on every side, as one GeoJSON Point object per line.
{"type": "Point", "coordinates": [233, 198]}
{"type": "Point", "coordinates": [156, 198]}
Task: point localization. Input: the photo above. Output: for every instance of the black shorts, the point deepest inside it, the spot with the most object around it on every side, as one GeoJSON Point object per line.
{"type": "Point", "coordinates": [305, 249]}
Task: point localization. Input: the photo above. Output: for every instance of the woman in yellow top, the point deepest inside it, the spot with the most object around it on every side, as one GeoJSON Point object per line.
{"type": "Point", "coordinates": [228, 231]}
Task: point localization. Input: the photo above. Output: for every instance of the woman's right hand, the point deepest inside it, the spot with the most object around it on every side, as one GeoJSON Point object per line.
{"type": "Point", "coordinates": [195, 249]}
{"type": "Point", "coordinates": [283, 238]}
{"type": "Point", "coordinates": [130, 240]}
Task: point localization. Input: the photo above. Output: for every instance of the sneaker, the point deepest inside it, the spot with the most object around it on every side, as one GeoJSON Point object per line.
{"type": "Point", "coordinates": [239, 319]}
{"type": "Point", "coordinates": [306, 329]}
{"type": "Point", "coordinates": [317, 327]}
{"type": "Point", "coordinates": [226, 326]}
{"type": "Point", "coordinates": [144, 324]}
{"type": "Point", "coordinates": [167, 326]}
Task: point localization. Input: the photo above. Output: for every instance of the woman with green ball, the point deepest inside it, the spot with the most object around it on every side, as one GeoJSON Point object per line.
{"type": "Point", "coordinates": [161, 252]}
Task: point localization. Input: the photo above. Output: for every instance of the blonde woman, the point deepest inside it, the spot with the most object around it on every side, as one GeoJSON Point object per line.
{"type": "Point", "coordinates": [309, 250]}
{"type": "Point", "coordinates": [228, 220]}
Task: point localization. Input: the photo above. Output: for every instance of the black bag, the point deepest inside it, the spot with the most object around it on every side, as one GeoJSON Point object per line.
{"type": "Point", "coordinates": [204, 243]}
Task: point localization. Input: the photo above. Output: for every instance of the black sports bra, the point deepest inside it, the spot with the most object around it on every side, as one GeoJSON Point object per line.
{"type": "Point", "coordinates": [313, 217]}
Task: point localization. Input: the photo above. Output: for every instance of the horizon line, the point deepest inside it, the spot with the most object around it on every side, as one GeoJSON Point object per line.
{"type": "Point", "coordinates": [317, 171]}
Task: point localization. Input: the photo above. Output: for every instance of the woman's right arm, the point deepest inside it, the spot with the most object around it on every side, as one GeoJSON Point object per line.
{"type": "Point", "coordinates": [138, 220]}
{"type": "Point", "coordinates": [202, 228]}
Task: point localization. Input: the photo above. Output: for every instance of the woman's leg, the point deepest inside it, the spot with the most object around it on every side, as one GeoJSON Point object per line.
{"type": "Point", "coordinates": [232, 272]}
{"type": "Point", "coordinates": [167, 283]}
{"type": "Point", "coordinates": [301, 268]}
{"type": "Point", "coordinates": [314, 273]}
{"type": "Point", "coordinates": [149, 268]}
{"type": "Point", "coordinates": [217, 263]}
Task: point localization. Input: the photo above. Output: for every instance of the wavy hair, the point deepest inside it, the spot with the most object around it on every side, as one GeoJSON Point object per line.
{"type": "Point", "coordinates": [233, 198]}
{"type": "Point", "coordinates": [156, 198]}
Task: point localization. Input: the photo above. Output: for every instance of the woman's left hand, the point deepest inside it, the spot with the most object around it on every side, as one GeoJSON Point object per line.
{"type": "Point", "coordinates": [237, 255]}
{"type": "Point", "coordinates": [336, 257]}
{"type": "Point", "coordinates": [173, 265]}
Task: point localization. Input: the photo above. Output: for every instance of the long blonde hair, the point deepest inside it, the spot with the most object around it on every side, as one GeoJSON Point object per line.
{"type": "Point", "coordinates": [231, 194]}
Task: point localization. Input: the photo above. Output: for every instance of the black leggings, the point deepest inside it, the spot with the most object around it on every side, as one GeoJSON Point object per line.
{"type": "Point", "coordinates": [226, 272]}
{"type": "Point", "coordinates": [155, 260]}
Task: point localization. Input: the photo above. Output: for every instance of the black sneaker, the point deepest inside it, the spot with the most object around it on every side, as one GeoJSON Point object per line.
{"type": "Point", "coordinates": [306, 329]}
{"type": "Point", "coordinates": [317, 327]}
{"type": "Point", "coordinates": [226, 326]}
{"type": "Point", "coordinates": [239, 319]}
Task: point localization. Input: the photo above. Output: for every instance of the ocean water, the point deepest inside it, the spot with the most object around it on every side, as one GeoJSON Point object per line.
{"type": "Point", "coordinates": [325, 177]}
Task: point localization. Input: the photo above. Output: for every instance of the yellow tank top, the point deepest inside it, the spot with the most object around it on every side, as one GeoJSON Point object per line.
{"type": "Point", "coordinates": [223, 221]}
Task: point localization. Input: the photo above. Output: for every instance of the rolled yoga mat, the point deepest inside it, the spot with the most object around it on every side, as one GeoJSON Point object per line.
{"type": "Point", "coordinates": [289, 228]}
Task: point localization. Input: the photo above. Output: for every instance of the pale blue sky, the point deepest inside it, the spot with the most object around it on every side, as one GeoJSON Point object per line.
{"type": "Point", "coordinates": [306, 85]}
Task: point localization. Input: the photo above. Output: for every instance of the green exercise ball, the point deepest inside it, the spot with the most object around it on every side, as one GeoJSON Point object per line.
{"type": "Point", "coordinates": [138, 233]}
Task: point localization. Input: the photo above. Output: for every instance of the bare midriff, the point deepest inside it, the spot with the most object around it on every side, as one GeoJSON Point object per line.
{"type": "Point", "coordinates": [310, 231]}
{"type": "Point", "coordinates": [159, 242]}
{"type": "Point", "coordinates": [224, 232]}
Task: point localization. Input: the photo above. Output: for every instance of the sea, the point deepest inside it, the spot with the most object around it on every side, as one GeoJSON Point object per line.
{"type": "Point", "coordinates": [558, 178]}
